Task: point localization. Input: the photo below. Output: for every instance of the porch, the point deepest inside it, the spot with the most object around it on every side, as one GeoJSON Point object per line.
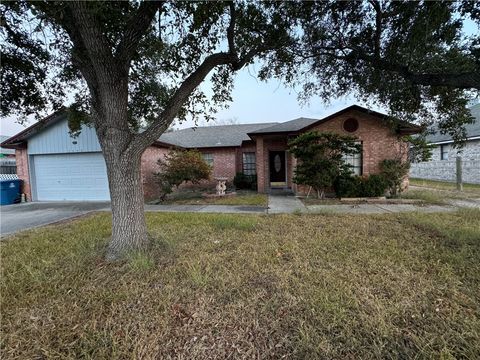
{"type": "Point", "coordinates": [275, 165]}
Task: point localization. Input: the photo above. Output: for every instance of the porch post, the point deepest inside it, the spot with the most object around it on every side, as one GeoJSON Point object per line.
{"type": "Point", "coordinates": [260, 164]}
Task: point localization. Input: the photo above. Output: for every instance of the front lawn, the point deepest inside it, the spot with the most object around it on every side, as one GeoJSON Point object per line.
{"type": "Point", "coordinates": [197, 198]}
{"type": "Point", "coordinates": [444, 185]}
{"type": "Point", "coordinates": [247, 286]}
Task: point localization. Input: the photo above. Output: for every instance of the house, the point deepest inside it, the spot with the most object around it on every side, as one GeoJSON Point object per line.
{"type": "Point", "coordinates": [56, 166]}
{"type": "Point", "coordinates": [442, 165]}
{"type": "Point", "coordinates": [7, 158]}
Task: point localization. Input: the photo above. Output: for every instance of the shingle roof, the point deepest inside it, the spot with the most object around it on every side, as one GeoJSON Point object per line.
{"type": "Point", "coordinates": [473, 130]}
{"type": "Point", "coordinates": [212, 136]}
{"type": "Point", "coordinates": [288, 126]}
{"type": "Point", "coordinates": [4, 150]}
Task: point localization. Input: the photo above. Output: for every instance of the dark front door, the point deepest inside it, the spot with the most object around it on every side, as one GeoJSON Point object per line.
{"type": "Point", "coordinates": [277, 168]}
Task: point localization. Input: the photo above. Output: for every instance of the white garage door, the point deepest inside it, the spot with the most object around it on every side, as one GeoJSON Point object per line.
{"type": "Point", "coordinates": [81, 176]}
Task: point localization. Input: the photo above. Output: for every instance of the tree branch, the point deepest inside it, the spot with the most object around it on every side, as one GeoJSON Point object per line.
{"type": "Point", "coordinates": [178, 99]}
{"type": "Point", "coordinates": [231, 29]}
{"type": "Point", "coordinates": [135, 29]}
{"type": "Point", "coordinates": [461, 80]}
{"type": "Point", "coordinates": [88, 31]}
{"type": "Point", "coordinates": [180, 96]}
{"type": "Point", "coordinates": [158, 127]}
{"type": "Point", "coordinates": [378, 26]}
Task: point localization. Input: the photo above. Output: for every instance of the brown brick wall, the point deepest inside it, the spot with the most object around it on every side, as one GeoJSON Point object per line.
{"type": "Point", "coordinates": [263, 167]}
{"type": "Point", "coordinates": [21, 158]}
{"type": "Point", "coordinates": [224, 161]}
{"type": "Point", "coordinates": [225, 165]}
{"type": "Point", "coordinates": [149, 167]}
{"type": "Point", "coordinates": [378, 140]}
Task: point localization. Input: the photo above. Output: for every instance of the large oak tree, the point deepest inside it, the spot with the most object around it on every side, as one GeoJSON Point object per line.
{"type": "Point", "coordinates": [133, 64]}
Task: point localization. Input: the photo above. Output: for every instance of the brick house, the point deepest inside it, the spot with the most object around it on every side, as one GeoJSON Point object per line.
{"type": "Point", "coordinates": [55, 166]}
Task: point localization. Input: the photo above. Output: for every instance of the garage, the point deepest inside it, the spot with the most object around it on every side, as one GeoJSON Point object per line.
{"type": "Point", "coordinates": [75, 177]}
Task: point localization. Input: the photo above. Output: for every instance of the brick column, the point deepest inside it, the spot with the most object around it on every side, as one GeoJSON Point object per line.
{"type": "Point", "coordinates": [260, 165]}
{"type": "Point", "coordinates": [21, 157]}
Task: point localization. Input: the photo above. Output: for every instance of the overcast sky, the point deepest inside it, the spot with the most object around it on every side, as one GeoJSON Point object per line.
{"type": "Point", "coordinates": [254, 101]}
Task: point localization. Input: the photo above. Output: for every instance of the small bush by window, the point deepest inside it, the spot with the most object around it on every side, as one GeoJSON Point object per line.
{"type": "Point", "coordinates": [245, 182]}
{"type": "Point", "coordinates": [360, 186]}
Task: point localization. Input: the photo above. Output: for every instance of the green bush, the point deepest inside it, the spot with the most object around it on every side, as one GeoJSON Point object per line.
{"type": "Point", "coordinates": [374, 185]}
{"type": "Point", "coordinates": [394, 171]}
{"type": "Point", "coordinates": [181, 166]}
{"type": "Point", "coordinates": [245, 182]}
{"type": "Point", "coordinates": [347, 186]}
{"type": "Point", "coordinates": [356, 186]}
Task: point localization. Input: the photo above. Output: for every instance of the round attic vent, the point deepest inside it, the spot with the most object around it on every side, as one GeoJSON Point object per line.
{"type": "Point", "coordinates": [350, 125]}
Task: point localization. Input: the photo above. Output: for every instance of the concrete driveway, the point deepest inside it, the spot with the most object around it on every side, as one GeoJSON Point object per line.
{"type": "Point", "coordinates": [19, 217]}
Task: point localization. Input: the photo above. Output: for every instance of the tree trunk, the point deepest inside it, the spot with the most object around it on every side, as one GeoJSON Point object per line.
{"type": "Point", "coordinates": [129, 231]}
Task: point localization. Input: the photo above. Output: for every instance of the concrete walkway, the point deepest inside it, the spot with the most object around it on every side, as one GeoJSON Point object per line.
{"type": "Point", "coordinates": [377, 208]}
{"type": "Point", "coordinates": [226, 209]}
{"type": "Point", "coordinates": [14, 218]}
{"type": "Point", "coordinates": [284, 204]}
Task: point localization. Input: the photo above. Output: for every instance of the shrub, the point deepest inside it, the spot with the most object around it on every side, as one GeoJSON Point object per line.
{"type": "Point", "coordinates": [321, 158]}
{"type": "Point", "coordinates": [347, 186]}
{"type": "Point", "coordinates": [247, 182]}
{"type": "Point", "coordinates": [181, 166]}
{"type": "Point", "coordinates": [394, 171]}
{"type": "Point", "coordinates": [356, 186]}
{"type": "Point", "coordinates": [373, 186]}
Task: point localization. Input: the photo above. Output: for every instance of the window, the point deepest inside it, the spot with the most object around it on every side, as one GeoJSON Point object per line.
{"type": "Point", "coordinates": [443, 152]}
{"type": "Point", "coordinates": [350, 125]}
{"type": "Point", "coordinates": [355, 162]}
{"type": "Point", "coordinates": [249, 163]}
{"type": "Point", "coordinates": [208, 157]}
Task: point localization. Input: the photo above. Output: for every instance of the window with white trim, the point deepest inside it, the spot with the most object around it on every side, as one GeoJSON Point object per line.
{"type": "Point", "coordinates": [355, 161]}
{"type": "Point", "coordinates": [208, 157]}
{"type": "Point", "coordinates": [444, 152]}
{"type": "Point", "coordinates": [249, 163]}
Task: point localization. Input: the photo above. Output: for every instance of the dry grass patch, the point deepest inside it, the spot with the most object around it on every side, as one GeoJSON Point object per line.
{"type": "Point", "coordinates": [445, 190]}
{"type": "Point", "coordinates": [244, 286]}
{"type": "Point", "coordinates": [196, 198]}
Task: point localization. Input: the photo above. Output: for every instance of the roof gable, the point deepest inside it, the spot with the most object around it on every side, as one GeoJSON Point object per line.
{"type": "Point", "coordinates": [303, 124]}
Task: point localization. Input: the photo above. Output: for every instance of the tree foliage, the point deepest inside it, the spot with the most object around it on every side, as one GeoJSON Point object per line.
{"type": "Point", "coordinates": [411, 57]}
{"type": "Point", "coordinates": [394, 172]}
{"type": "Point", "coordinates": [321, 158]}
{"type": "Point", "coordinates": [46, 59]}
{"type": "Point", "coordinates": [181, 166]}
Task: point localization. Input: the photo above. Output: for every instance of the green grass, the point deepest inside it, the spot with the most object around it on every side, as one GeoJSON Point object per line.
{"type": "Point", "coordinates": [246, 286]}
{"type": "Point", "coordinates": [443, 185]}
{"type": "Point", "coordinates": [428, 196]}
{"type": "Point", "coordinates": [196, 198]}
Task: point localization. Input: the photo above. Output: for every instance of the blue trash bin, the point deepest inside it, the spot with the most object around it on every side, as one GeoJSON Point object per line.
{"type": "Point", "coordinates": [10, 191]}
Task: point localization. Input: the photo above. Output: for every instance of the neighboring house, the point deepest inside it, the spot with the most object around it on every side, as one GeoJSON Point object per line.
{"type": "Point", "coordinates": [55, 166]}
{"type": "Point", "coordinates": [7, 158]}
{"type": "Point", "coordinates": [442, 165]}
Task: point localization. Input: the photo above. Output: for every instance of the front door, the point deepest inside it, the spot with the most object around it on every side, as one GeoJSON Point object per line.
{"type": "Point", "coordinates": [277, 168]}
